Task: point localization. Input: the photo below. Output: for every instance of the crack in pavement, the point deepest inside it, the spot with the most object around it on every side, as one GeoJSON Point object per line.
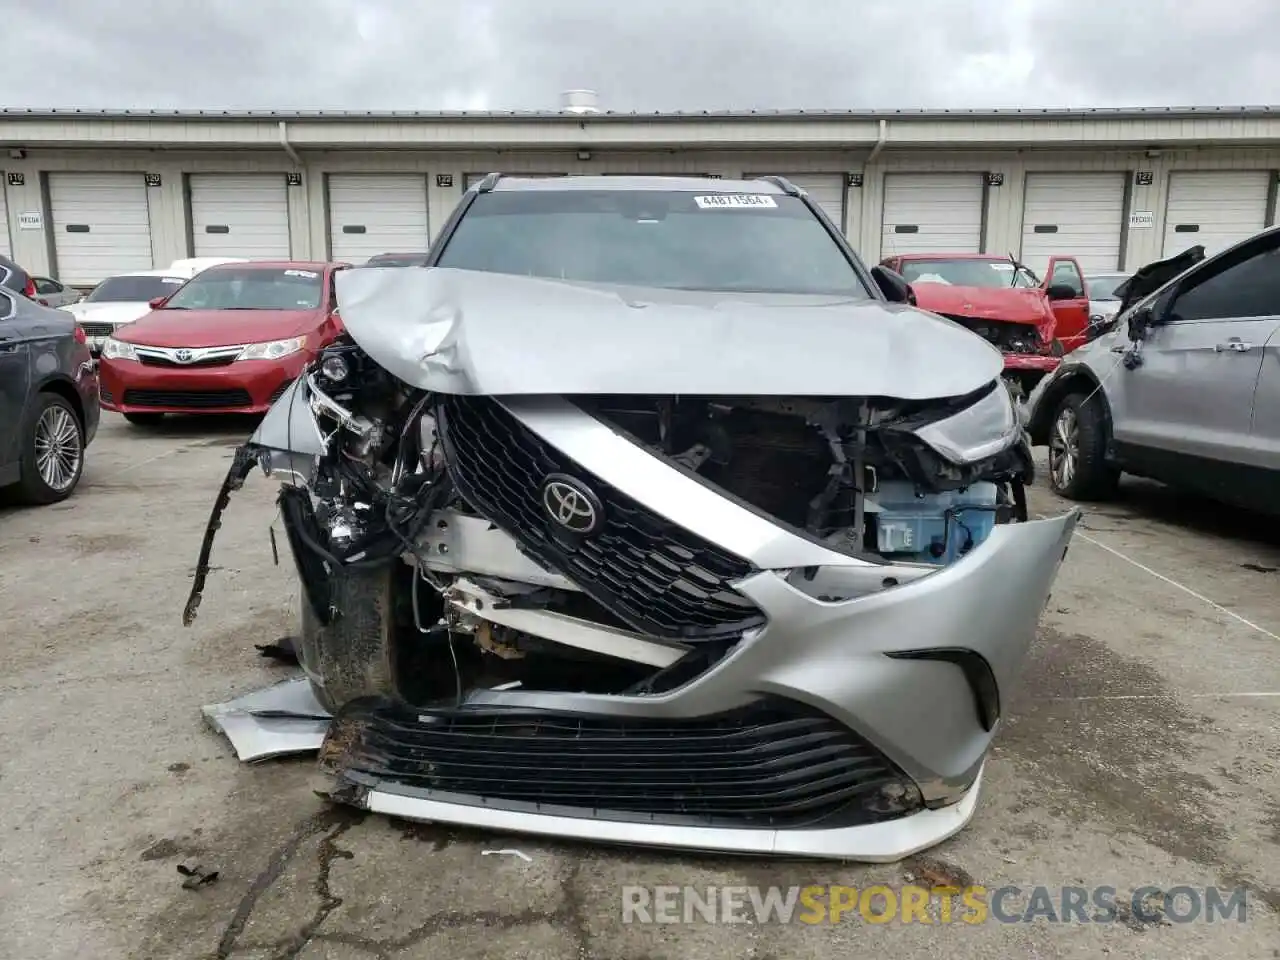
{"type": "Point", "coordinates": [335, 823]}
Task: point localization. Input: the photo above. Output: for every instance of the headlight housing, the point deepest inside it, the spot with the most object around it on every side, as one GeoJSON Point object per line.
{"type": "Point", "coordinates": [272, 349]}
{"type": "Point", "coordinates": [113, 349]}
{"type": "Point", "coordinates": [981, 430]}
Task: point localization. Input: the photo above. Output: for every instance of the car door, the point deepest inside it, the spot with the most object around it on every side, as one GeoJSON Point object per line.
{"type": "Point", "coordinates": [1071, 314]}
{"type": "Point", "coordinates": [1193, 393]}
{"type": "Point", "coordinates": [15, 381]}
{"type": "Point", "coordinates": [1264, 430]}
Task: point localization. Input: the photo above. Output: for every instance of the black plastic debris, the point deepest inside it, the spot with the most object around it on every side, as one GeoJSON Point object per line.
{"type": "Point", "coordinates": [196, 876]}
{"type": "Point", "coordinates": [285, 650]}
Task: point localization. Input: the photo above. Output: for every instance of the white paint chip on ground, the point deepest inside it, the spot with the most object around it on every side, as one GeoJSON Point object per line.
{"type": "Point", "coordinates": [507, 853]}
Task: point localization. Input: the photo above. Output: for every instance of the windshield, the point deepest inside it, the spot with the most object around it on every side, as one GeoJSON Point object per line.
{"type": "Point", "coordinates": [1104, 288]}
{"type": "Point", "coordinates": [676, 240]}
{"type": "Point", "coordinates": [251, 288]}
{"type": "Point", "coordinates": [133, 289]}
{"type": "Point", "coordinates": [968, 273]}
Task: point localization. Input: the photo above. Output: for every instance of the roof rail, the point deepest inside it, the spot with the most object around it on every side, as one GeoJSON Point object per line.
{"type": "Point", "coordinates": [488, 183]}
{"type": "Point", "coordinates": [787, 187]}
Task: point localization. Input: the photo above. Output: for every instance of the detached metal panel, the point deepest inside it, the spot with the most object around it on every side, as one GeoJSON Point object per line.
{"type": "Point", "coordinates": [101, 225]}
{"type": "Point", "coordinates": [1216, 209]}
{"type": "Point", "coordinates": [1073, 214]}
{"type": "Point", "coordinates": [239, 215]}
{"type": "Point", "coordinates": [372, 213]}
{"type": "Point", "coordinates": [932, 213]}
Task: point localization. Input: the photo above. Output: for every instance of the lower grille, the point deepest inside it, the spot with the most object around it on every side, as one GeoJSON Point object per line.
{"type": "Point", "coordinates": [278, 392]}
{"type": "Point", "coordinates": [92, 329]}
{"type": "Point", "coordinates": [771, 765]}
{"type": "Point", "coordinates": [151, 360]}
{"type": "Point", "coordinates": [189, 399]}
{"type": "Point", "coordinates": [651, 573]}
{"type": "Point", "coordinates": [104, 395]}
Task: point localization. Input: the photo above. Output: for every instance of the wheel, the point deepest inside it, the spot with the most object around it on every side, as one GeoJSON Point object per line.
{"type": "Point", "coordinates": [350, 657]}
{"type": "Point", "coordinates": [52, 451]}
{"type": "Point", "coordinates": [144, 419]}
{"type": "Point", "coordinates": [1078, 467]}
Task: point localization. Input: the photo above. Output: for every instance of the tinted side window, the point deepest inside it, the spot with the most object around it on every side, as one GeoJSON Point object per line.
{"type": "Point", "coordinates": [1248, 288]}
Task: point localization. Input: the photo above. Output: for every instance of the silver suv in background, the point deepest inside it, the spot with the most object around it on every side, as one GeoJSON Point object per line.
{"type": "Point", "coordinates": [1182, 386]}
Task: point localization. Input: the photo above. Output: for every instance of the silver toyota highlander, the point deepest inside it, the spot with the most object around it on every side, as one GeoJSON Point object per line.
{"type": "Point", "coordinates": [646, 513]}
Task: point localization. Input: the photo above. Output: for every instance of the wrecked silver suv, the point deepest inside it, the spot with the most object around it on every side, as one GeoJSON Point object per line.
{"type": "Point", "coordinates": [642, 514]}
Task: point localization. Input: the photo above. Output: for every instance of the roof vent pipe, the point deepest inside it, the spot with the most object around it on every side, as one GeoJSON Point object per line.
{"type": "Point", "coordinates": [579, 102]}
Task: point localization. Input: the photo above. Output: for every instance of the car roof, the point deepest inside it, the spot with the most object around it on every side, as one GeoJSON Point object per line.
{"type": "Point", "coordinates": [949, 256]}
{"type": "Point", "coordinates": [316, 265]}
{"type": "Point", "coordinates": [145, 273]}
{"type": "Point", "coordinates": [625, 182]}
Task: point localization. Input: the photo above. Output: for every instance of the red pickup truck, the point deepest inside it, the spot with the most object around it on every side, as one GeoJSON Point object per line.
{"type": "Point", "coordinates": [1032, 321]}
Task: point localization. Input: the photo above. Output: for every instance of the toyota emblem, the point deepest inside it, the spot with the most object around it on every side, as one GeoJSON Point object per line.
{"type": "Point", "coordinates": [572, 505]}
{"type": "Point", "coordinates": [182, 356]}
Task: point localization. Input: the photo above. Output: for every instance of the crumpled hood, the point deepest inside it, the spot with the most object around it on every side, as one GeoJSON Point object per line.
{"type": "Point", "coordinates": [467, 332]}
{"type": "Point", "coordinates": [115, 312]}
{"type": "Point", "coordinates": [1011, 304]}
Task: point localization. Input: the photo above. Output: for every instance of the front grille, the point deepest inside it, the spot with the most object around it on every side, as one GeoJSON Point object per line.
{"type": "Point", "coordinates": [1005, 336]}
{"type": "Point", "coordinates": [153, 360]}
{"type": "Point", "coordinates": [97, 329]}
{"type": "Point", "coordinates": [104, 395]}
{"type": "Point", "coordinates": [773, 764]}
{"type": "Point", "coordinates": [188, 399]}
{"type": "Point", "coordinates": [651, 573]}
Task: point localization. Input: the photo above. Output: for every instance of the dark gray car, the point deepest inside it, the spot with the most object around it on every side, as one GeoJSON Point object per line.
{"type": "Point", "coordinates": [48, 400]}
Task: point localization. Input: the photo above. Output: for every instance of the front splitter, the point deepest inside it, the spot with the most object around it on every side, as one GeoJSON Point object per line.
{"type": "Point", "coordinates": [885, 842]}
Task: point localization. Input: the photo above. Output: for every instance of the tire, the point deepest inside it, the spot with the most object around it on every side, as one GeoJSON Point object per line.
{"type": "Point", "coordinates": [52, 451]}
{"type": "Point", "coordinates": [351, 656]}
{"type": "Point", "coordinates": [1078, 468]}
{"type": "Point", "coordinates": [144, 419]}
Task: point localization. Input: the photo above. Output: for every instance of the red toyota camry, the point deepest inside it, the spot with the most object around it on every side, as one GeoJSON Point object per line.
{"type": "Point", "coordinates": [229, 340]}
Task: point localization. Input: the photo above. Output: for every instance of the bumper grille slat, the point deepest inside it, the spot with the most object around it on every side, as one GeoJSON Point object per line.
{"type": "Point", "coordinates": [187, 399]}
{"type": "Point", "coordinates": [772, 764]}
{"type": "Point", "coordinates": [97, 329]}
{"type": "Point", "coordinates": [658, 577]}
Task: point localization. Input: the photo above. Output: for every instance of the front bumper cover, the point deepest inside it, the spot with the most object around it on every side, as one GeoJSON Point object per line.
{"type": "Point", "coordinates": [893, 668]}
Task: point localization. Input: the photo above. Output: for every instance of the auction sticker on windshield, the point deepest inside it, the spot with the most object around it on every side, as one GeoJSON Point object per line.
{"type": "Point", "coordinates": [305, 274]}
{"type": "Point", "coordinates": [726, 200]}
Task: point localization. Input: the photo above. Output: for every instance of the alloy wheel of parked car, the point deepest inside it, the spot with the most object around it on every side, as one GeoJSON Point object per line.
{"type": "Point", "coordinates": [1064, 448]}
{"type": "Point", "coordinates": [55, 451]}
{"type": "Point", "coordinates": [1078, 467]}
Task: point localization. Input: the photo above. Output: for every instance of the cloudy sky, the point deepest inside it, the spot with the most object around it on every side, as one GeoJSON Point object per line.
{"type": "Point", "coordinates": [639, 54]}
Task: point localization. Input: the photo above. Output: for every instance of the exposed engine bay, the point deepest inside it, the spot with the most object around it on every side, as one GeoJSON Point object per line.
{"type": "Point", "coordinates": [489, 563]}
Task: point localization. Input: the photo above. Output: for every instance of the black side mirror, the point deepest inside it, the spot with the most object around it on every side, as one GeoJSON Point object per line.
{"type": "Point", "coordinates": [1140, 321]}
{"type": "Point", "coordinates": [893, 285]}
{"type": "Point", "coordinates": [1062, 291]}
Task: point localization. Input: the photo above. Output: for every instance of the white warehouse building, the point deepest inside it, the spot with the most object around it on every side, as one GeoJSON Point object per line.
{"type": "Point", "coordinates": [91, 194]}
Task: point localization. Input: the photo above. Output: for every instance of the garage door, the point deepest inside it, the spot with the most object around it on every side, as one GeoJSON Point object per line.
{"type": "Point", "coordinates": [1215, 209]}
{"type": "Point", "coordinates": [1075, 214]}
{"type": "Point", "coordinates": [5, 246]}
{"type": "Point", "coordinates": [932, 213]}
{"type": "Point", "coordinates": [239, 215]}
{"type": "Point", "coordinates": [376, 213]}
{"type": "Point", "coordinates": [825, 189]}
{"type": "Point", "coordinates": [101, 225]}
